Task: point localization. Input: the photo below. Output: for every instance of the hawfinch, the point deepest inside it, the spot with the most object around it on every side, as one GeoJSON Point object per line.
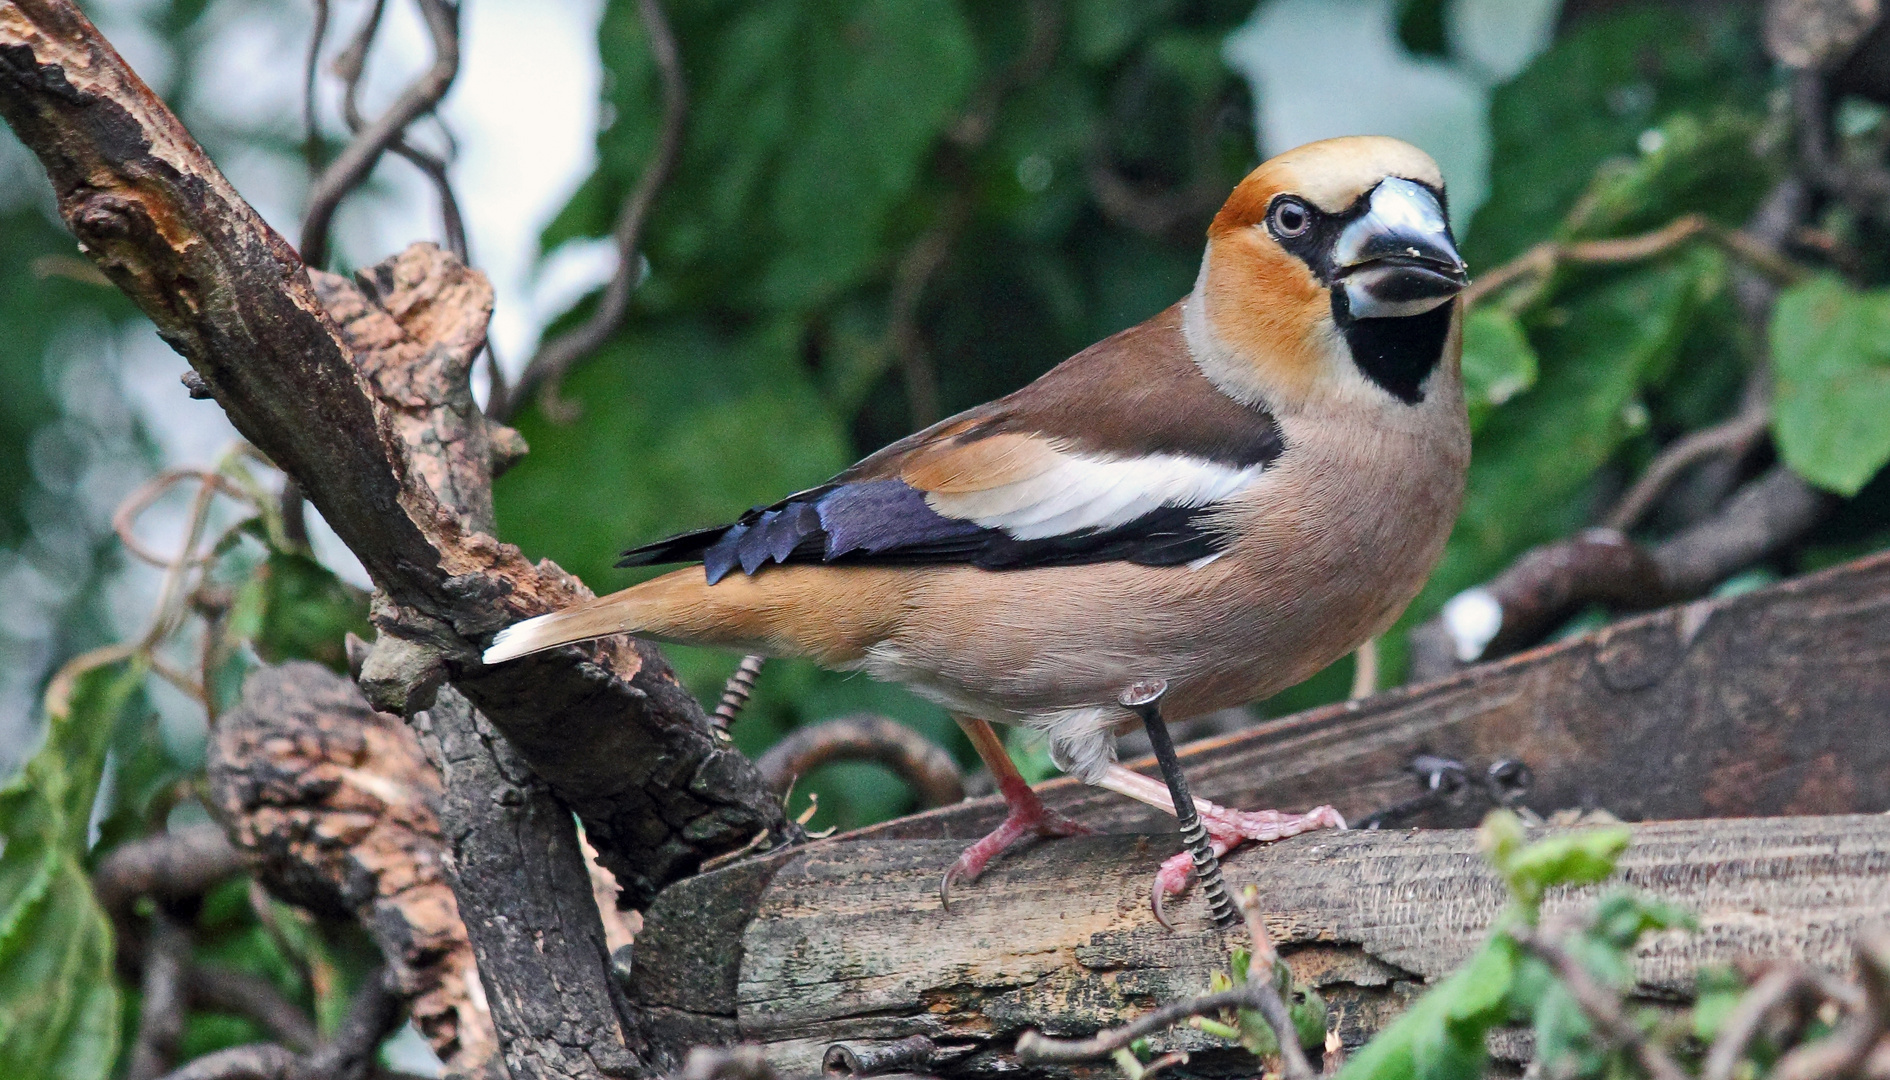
{"type": "Point", "coordinates": [1227, 497]}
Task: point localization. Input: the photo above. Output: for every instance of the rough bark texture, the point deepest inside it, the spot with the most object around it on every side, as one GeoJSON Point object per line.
{"type": "Point", "coordinates": [608, 727]}
{"type": "Point", "coordinates": [527, 902]}
{"type": "Point", "coordinates": [1768, 703]}
{"type": "Point", "coordinates": [336, 806]}
{"type": "Point", "coordinates": [847, 942]}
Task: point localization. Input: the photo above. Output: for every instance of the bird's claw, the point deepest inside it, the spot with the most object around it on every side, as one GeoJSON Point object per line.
{"type": "Point", "coordinates": [1228, 829]}
{"type": "Point", "coordinates": [1019, 826]}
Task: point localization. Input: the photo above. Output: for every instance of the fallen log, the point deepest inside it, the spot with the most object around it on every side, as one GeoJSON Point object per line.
{"type": "Point", "coordinates": [1771, 703]}
{"type": "Point", "coordinates": [847, 944]}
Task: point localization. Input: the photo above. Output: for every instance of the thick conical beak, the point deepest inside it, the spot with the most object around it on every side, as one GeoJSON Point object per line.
{"type": "Point", "coordinates": [1399, 259]}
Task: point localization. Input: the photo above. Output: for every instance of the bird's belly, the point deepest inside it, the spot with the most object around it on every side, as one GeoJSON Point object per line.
{"type": "Point", "coordinates": [1029, 646]}
{"type": "Point", "coordinates": [1327, 558]}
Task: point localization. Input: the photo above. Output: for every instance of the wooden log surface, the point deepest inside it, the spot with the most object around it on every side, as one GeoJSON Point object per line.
{"type": "Point", "coordinates": [1772, 703]}
{"type": "Point", "coordinates": [848, 943]}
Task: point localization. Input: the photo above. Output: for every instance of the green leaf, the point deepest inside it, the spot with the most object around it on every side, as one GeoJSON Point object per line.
{"type": "Point", "coordinates": [1719, 992]}
{"type": "Point", "coordinates": [1831, 401]}
{"type": "Point", "coordinates": [1592, 96]}
{"type": "Point", "coordinates": [1623, 916]}
{"type": "Point", "coordinates": [59, 1006]}
{"type": "Point", "coordinates": [1498, 361]}
{"type": "Point", "coordinates": [1684, 164]}
{"type": "Point", "coordinates": [306, 611]}
{"type": "Point", "coordinates": [1579, 858]}
{"type": "Point", "coordinates": [1442, 1036]}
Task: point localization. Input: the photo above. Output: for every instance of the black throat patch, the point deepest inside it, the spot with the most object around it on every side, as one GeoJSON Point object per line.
{"type": "Point", "coordinates": [1397, 354]}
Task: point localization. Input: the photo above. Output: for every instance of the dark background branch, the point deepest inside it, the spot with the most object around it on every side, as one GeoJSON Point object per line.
{"type": "Point", "coordinates": [557, 356]}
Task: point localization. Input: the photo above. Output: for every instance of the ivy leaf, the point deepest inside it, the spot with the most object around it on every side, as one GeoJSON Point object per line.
{"type": "Point", "coordinates": [1498, 361]}
{"type": "Point", "coordinates": [59, 1007]}
{"type": "Point", "coordinates": [1831, 404]}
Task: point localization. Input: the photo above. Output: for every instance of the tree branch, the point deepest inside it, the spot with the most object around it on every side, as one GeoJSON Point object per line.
{"type": "Point", "coordinates": [335, 804]}
{"type": "Point", "coordinates": [351, 65]}
{"type": "Point", "coordinates": [162, 993]}
{"type": "Point", "coordinates": [608, 726]}
{"type": "Point", "coordinates": [926, 767]}
{"type": "Point", "coordinates": [373, 1015]}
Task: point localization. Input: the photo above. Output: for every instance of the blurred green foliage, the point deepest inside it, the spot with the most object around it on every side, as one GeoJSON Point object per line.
{"type": "Point", "coordinates": [59, 1002]}
{"type": "Point", "coordinates": [1444, 1034]}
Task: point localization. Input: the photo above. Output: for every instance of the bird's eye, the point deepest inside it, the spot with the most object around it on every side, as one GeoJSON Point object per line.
{"type": "Point", "coordinates": [1290, 218]}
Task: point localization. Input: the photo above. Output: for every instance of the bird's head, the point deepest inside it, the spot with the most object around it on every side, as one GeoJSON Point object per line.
{"type": "Point", "coordinates": [1329, 262]}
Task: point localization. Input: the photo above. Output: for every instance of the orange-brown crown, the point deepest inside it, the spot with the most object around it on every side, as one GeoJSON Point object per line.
{"type": "Point", "coordinates": [1332, 174]}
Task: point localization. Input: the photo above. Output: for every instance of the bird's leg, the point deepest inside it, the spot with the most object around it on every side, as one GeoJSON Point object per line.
{"type": "Point", "coordinates": [1226, 828]}
{"type": "Point", "coordinates": [1028, 818]}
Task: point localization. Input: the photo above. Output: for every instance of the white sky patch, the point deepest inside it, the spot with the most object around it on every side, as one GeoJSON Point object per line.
{"type": "Point", "coordinates": [1323, 68]}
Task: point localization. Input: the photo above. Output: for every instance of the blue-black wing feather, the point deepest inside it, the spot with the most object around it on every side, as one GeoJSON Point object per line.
{"type": "Point", "coordinates": [887, 522]}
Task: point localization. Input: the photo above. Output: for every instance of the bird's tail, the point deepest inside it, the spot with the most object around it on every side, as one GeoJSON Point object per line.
{"type": "Point", "coordinates": [828, 613]}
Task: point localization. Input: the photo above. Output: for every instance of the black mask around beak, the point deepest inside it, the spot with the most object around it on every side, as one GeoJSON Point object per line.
{"type": "Point", "coordinates": [1399, 258]}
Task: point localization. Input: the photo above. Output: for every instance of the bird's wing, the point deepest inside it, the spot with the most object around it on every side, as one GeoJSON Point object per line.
{"type": "Point", "coordinates": [1118, 454]}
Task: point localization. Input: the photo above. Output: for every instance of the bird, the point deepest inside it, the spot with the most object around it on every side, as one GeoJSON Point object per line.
{"type": "Point", "coordinates": [1219, 501]}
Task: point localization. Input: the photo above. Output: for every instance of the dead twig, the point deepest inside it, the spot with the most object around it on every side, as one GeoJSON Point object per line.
{"type": "Point", "coordinates": [1540, 261]}
{"type": "Point", "coordinates": [1731, 438]}
{"type": "Point", "coordinates": [556, 357]}
{"type": "Point", "coordinates": [350, 67]}
{"type": "Point", "coordinates": [352, 166]}
{"type": "Point", "coordinates": [311, 67]}
{"type": "Point", "coordinates": [214, 988]}
{"type": "Point", "coordinates": [1036, 1048]}
{"type": "Point", "coordinates": [373, 1015]}
{"type": "Point", "coordinates": [1548, 584]}
{"type": "Point", "coordinates": [1260, 974]}
{"type": "Point", "coordinates": [926, 767]}
{"type": "Point", "coordinates": [167, 867]}
{"type": "Point", "coordinates": [163, 998]}
{"type": "Point", "coordinates": [1785, 983]}
{"type": "Point", "coordinates": [1845, 1050]}
{"type": "Point", "coordinates": [125, 518]}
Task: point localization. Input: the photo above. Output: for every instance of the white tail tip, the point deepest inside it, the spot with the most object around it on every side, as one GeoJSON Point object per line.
{"type": "Point", "coordinates": [518, 639]}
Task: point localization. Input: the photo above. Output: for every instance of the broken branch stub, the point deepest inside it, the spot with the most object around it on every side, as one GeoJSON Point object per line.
{"type": "Point", "coordinates": [335, 805]}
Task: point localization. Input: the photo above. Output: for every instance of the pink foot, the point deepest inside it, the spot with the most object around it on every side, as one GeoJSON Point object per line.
{"type": "Point", "coordinates": [1227, 829]}
{"type": "Point", "coordinates": [1028, 820]}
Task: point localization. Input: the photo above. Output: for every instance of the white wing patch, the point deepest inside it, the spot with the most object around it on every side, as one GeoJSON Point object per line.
{"type": "Point", "coordinates": [1085, 492]}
